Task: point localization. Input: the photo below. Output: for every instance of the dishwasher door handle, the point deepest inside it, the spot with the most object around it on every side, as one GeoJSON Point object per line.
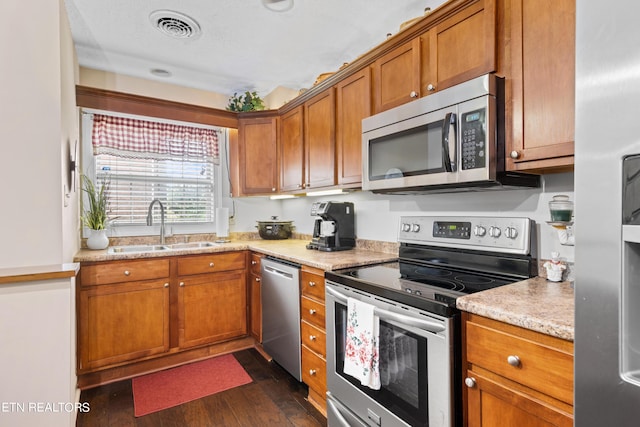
{"type": "Point", "coordinates": [427, 325]}
{"type": "Point", "coordinates": [272, 270]}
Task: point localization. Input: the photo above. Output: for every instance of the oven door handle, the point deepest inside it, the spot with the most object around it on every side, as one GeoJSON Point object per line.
{"type": "Point", "coordinates": [427, 325]}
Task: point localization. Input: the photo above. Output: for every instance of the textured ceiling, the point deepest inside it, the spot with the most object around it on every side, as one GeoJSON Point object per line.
{"type": "Point", "coordinates": [242, 45]}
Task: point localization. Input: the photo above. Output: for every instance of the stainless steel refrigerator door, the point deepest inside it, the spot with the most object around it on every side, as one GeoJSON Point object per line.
{"type": "Point", "coordinates": [281, 315]}
{"type": "Point", "coordinates": [607, 129]}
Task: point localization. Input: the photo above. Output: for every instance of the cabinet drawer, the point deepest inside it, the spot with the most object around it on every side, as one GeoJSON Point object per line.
{"type": "Point", "coordinates": [123, 271]}
{"type": "Point", "coordinates": [537, 364]}
{"type": "Point", "coordinates": [314, 338]}
{"type": "Point", "coordinates": [312, 312]}
{"type": "Point", "coordinates": [211, 263]}
{"type": "Point", "coordinates": [314, 371]}
{"type": "Point", "coordinates": [312, 285]}
{"type": "Point", "coordinates": [255, 263]}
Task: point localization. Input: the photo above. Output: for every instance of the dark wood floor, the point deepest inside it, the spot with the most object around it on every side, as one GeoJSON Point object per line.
{"type": "Point", "coordinates": [274, 398]}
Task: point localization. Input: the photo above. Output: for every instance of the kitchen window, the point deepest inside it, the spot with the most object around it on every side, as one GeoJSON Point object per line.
{"type": "Point", "coordinates": [144, 159]}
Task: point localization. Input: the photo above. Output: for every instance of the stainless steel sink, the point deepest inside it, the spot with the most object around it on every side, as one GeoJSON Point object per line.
{"type": "Point", "coordinates": [137, 248]}
{"type": "Point", "coordinates": [193, 245]}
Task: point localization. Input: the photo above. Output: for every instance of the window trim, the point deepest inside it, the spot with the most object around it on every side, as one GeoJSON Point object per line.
{"type": "Point", "coordinates": [88, 167]}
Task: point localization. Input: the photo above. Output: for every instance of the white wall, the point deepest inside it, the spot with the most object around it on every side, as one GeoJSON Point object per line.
{"type": "Point", "coordinates": [31, 90]}
{"type": "Point", "coordinates": [377, 216]}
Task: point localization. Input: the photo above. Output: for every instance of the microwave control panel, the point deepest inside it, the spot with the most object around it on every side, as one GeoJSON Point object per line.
{"type": "Point", "coordinates": [473, 139]}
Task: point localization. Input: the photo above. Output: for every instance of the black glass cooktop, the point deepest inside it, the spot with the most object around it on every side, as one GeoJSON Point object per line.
{"type": "Point", "coordinates": [422, 286]}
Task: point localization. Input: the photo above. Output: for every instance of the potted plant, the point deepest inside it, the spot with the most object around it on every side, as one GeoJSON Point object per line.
{"type": "Point", "coordinates": [95, 216]}
{"type": "Point", "coordinates": [249, 101]}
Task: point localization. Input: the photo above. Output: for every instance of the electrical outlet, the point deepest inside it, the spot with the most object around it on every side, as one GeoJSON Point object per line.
{"type": "Point", "coordinates": [232, 220]}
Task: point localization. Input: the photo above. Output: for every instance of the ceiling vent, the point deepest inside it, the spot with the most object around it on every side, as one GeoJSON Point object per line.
{"type": "Point", "coordinates": [175, 24]}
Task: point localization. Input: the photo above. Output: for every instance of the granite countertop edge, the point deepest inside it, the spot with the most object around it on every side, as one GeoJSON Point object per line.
{"type": "Point", "coordinates": [290, 250]}
{"type": "Point", "coordinates": [535, 304]}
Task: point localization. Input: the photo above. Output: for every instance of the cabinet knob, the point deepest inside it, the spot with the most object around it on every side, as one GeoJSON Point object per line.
{"type": "Point", "coordinates": [514, 154]}
{"type": "Point", "coordinates": [211, 264]}
{"type": "Point", "coordinates": [181, 284]}
{"type": "Point", "coordinates": [470, 382]}
{"type": "Point", "coordinates": [166, 285]}
{"type": "Point", "coordinates": [312, 284]}
{"type": "Point", "coordinates": [312, 337]}
{"type": "Point", "coordinates": [513, 360]}
{"type": "Point", "coordinates": [273, 188]}
{"type": "Point", "coordinates": [312, 371]}
{"type": "Point", "coordinates": [312, 311]}
{"type": "Point", "coordinates": [257, 279]}
{"type": "Point", "coordinates": [254, 262]}
{"type": "Point", "coordinates": [413, 94]}
{"type": "Point", "coordinates": [431, 87]}
{"type": "Point", "coordinates": [127, 272]}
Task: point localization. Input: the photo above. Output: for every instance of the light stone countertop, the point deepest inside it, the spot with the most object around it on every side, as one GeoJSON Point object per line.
{"type": "Point", "coordinates": [536, 304]}
{"type": "Point", "coordinates": [293, 250]}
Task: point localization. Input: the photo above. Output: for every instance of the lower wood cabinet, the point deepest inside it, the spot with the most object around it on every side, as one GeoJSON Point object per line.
{"type": "Point", "coordinates": [313, 335]}
{"type": "Point", "coordinates": [139, 310]}
{"type": "Point", "coordinates": [122, 322]}
{"type": "Point", "coordinates": [255, 296]}
{"type": "Point", "coordinates": [212, 307]}
{"type": "Point", "coordinates": [515, 376]}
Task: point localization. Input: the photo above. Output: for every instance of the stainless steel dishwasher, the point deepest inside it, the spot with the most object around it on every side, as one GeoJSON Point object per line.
{"type": "Point", "coordinates": [281, 313]}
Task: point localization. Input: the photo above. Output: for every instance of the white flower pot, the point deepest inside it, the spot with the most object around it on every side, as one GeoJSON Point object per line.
{"type": "Point", "coordinates": [97, 239]}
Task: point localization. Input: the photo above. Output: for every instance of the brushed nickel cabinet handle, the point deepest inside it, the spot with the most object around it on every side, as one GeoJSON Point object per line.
{"type": "Point", "coordinates": [254, 262]}
{"type": "Point", "coordinates": [166, 285]}
{"type": "Point", "coordinates": [312, 284]}
{"type": "Point", "coordinates": [513, 360]}
{"type": "Point", "coordinates": [127, 273]}
{"type": "Point", "coordinates": [470, 382]}
{"type": "Point", "coordinates": [413, 94]}
{"type": "Point", "coordinates": [211, 264]}
{"type": "Point", "coordinates": [431, 87]}
{"type": "Point", "coordinates": [312, 337]}
{"type": "Point", "coordinates": [514, 154]}
{"type": "Point", "coordinates": [312, 371]}
{"type": "Point", "coordinates": [312, 311]}
{"type": "Point", "coordinates": [181, 283]}
{"type": "Point", "coordinates": [257, 279]}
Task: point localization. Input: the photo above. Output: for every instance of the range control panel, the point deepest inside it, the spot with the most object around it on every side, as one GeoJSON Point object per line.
{"type": "Point", "coordinates": [496, 234]}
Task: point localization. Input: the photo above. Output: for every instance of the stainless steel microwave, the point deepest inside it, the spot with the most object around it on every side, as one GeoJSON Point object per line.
{"type": "Point", "coordinates": [452, 140]}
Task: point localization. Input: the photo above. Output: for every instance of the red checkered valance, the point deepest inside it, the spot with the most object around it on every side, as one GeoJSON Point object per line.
{"type": "Point", "coordinates": [141, 139]}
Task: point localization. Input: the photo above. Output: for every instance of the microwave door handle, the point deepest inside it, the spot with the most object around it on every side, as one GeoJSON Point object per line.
{"type": "Point", "coordinates": [449, 119]}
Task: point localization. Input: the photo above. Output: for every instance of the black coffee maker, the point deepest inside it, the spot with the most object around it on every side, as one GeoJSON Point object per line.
{"type": "Point", "coordinates": [334, 230]}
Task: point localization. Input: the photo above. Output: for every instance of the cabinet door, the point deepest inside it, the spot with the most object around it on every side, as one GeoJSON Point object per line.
{"type": "Point", "coordinates": [123, 322]}
{"type": "Point", "coordinates": [493, 404]}
{"type": "Point", "coordinates": [212, 308]}
{"type": "Point", "coordinates": [255, 295]}
{"type": "Point", "coordinates": [319, 136]}
{"type": "Point", "coordinates": [292, 150]}
{"type": "Point", "coordinates": [353, 105]}
{"type": "Point", "coordinates": [258, 155]}
{"type": "Point", "coordinates": [396, 76]}
{"type": "Point", "coordinates": [543, 85]}
{"type": "Point", "coordinates": [460, 48]}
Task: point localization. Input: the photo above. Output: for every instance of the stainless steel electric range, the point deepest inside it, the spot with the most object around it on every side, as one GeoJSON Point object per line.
{"type": "Point", "coordinates": [440, 259]}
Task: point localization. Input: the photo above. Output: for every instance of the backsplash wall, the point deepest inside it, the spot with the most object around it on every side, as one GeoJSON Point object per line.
{"type": "Point", "coordinates": [377, 216]}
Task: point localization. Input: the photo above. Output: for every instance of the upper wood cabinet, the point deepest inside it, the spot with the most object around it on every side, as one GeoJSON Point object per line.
{"type": "Point", "coordinates": [258, 155]}
{"type": "Point", "coordinates": [319, 138]}
{"type": "Point", "coordinates": [459, 48]}
{"type": "Point", "coordinates": [396, 76]}
{"type": "Point", "coordinates": [292, 176]}
{"type": "Point", "coordinates": [542, 90]}
{"type": "Point", "coordinates": [353, 103]}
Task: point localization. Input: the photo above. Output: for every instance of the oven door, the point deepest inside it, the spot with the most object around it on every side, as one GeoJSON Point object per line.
{"type": "Point", "coordinates": [416, 367]}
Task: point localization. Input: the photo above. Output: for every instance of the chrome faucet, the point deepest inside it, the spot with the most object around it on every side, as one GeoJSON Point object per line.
{"type": "Point", "coordinates": [150, 218]}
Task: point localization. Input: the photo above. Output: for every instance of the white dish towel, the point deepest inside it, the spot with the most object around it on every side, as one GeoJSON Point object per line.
{"type": "Point", "coordinates": [361, 347]}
